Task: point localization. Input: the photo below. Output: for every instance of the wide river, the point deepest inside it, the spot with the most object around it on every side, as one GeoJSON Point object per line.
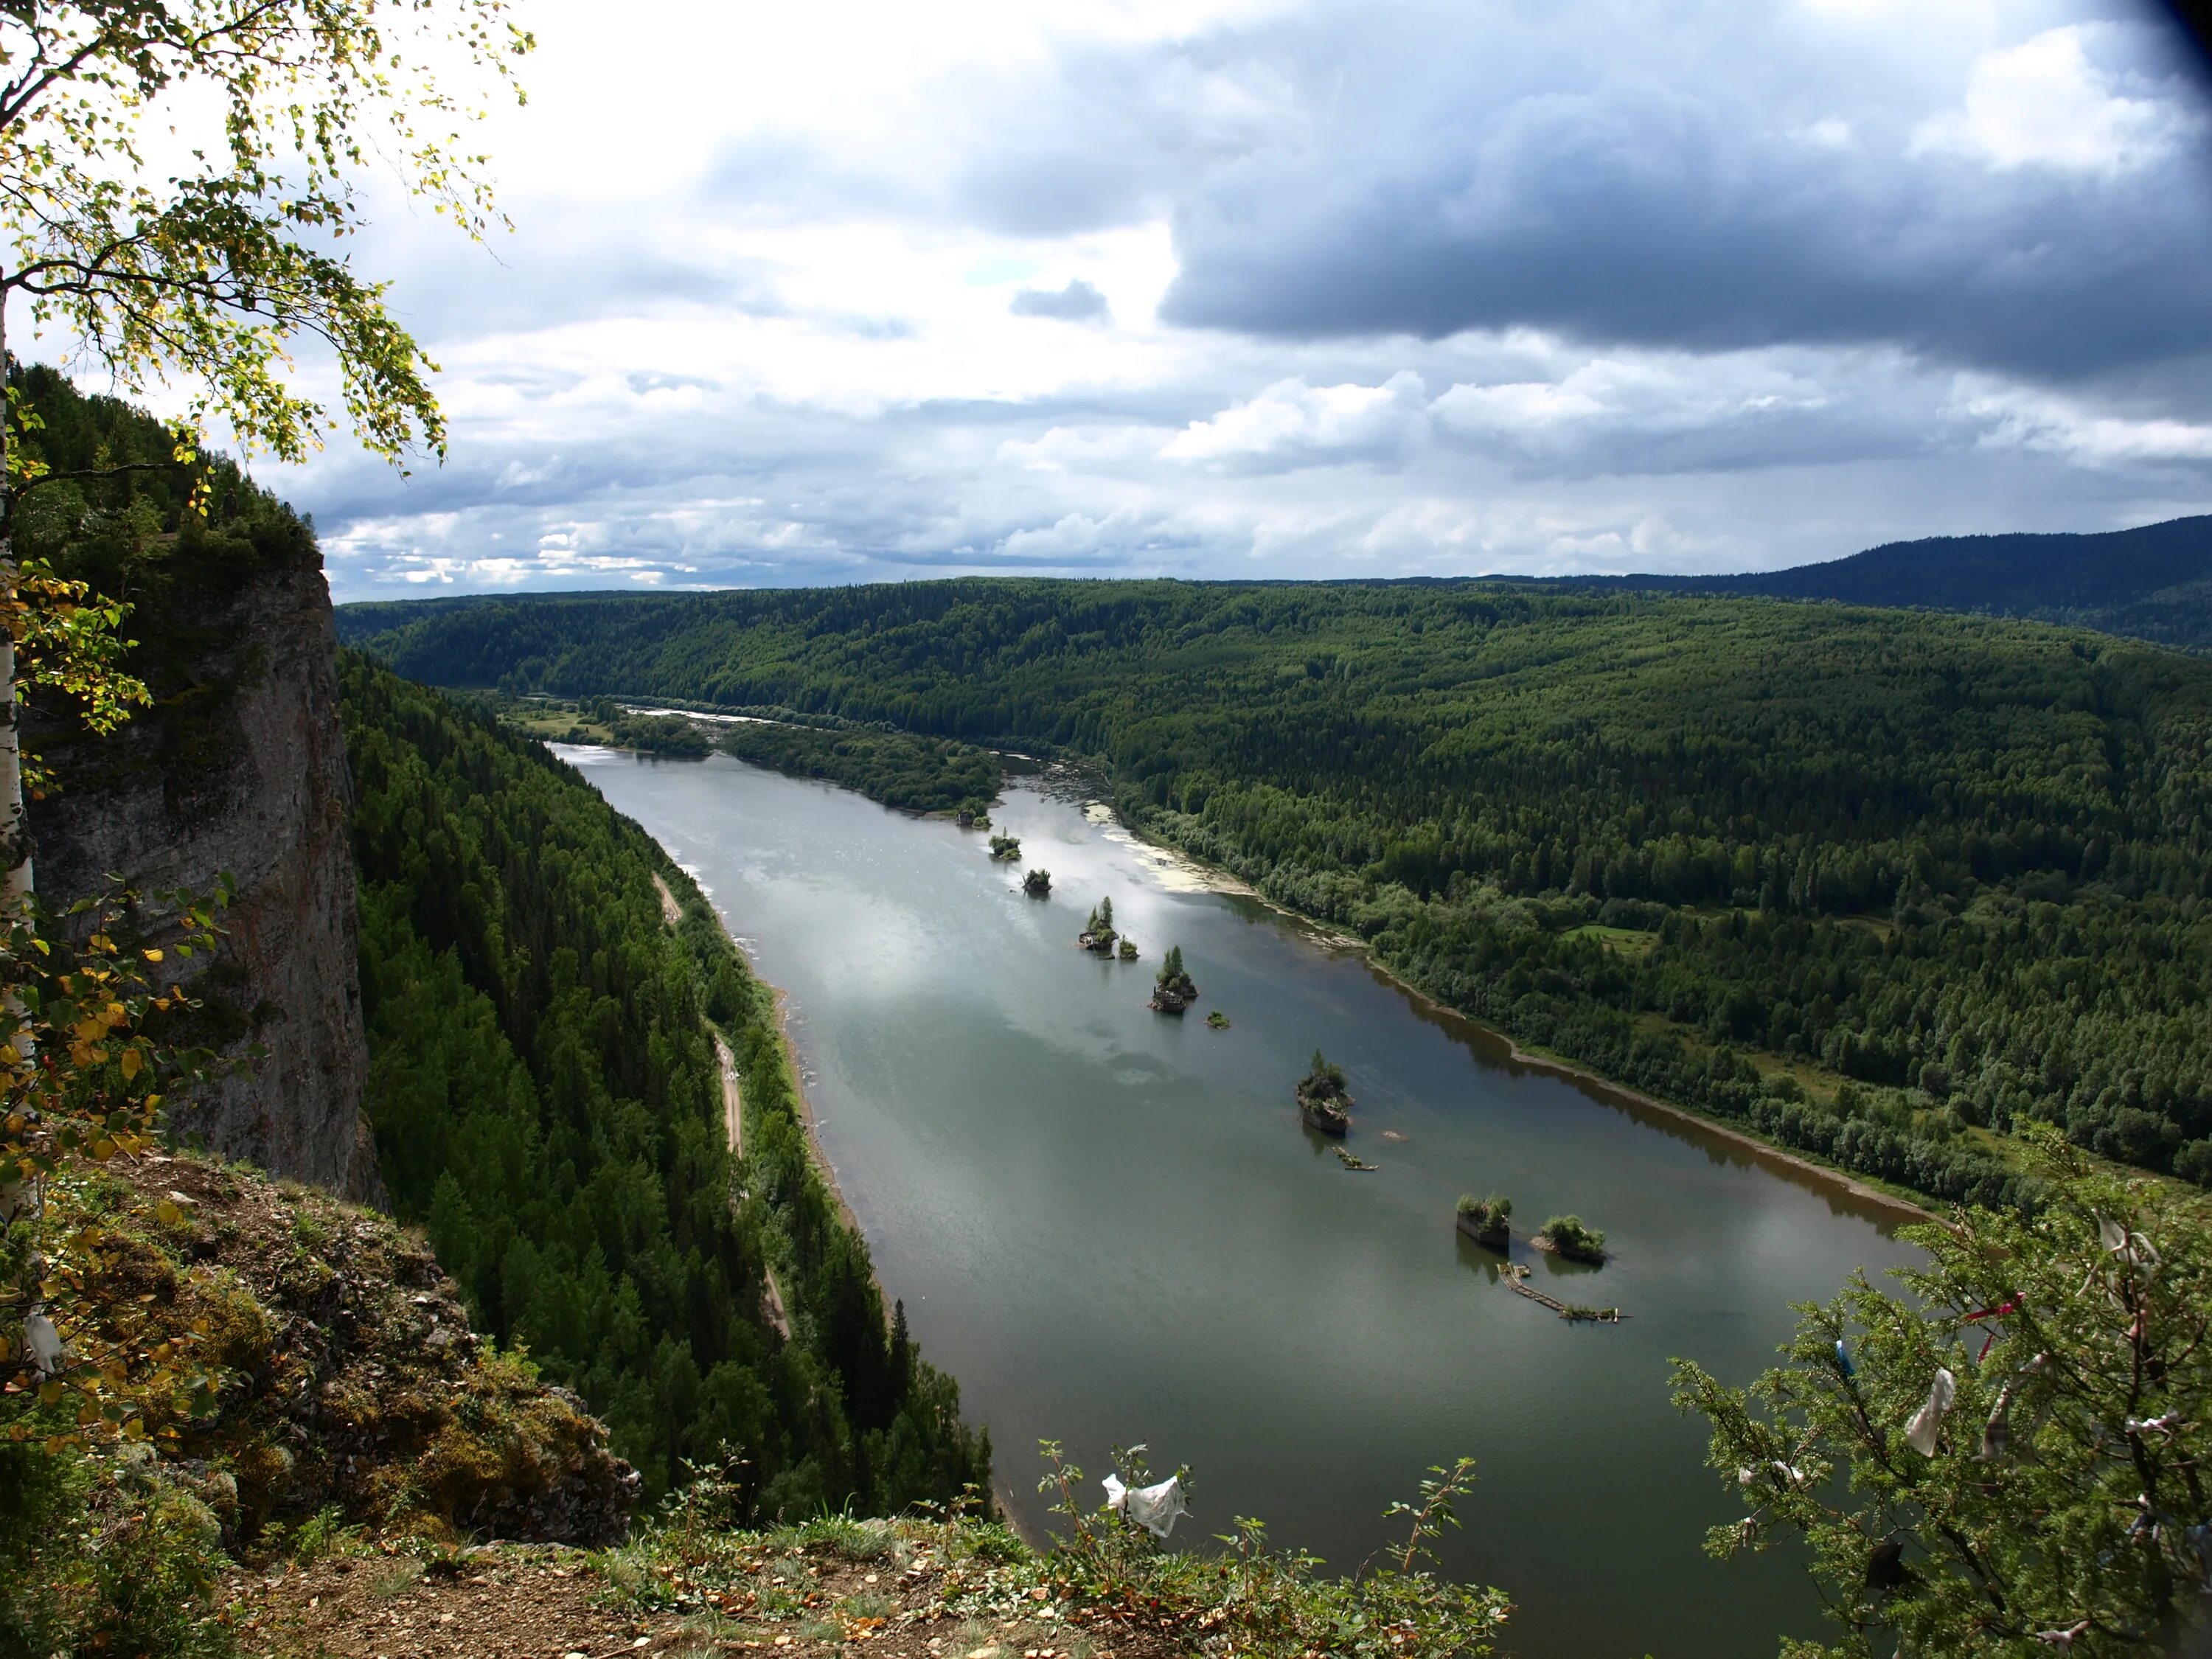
{"type": "Point", "coordinates": [1110, 1226]}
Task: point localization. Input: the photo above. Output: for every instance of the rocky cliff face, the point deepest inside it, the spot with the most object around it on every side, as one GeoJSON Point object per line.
{"type": "Point", "coordinates": [239, 770]}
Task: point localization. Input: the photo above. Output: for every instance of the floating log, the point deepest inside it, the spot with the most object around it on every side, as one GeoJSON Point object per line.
{"type": "Point", "coordinates": [1517, 1277]}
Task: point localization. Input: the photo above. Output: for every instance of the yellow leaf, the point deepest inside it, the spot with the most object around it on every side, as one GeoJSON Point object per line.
{"type": "Point", "coordinates": [152, 956]}
{"type": "Point", "coordinates": [133, 1062]}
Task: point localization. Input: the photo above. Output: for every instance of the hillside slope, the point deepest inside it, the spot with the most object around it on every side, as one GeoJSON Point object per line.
{"type": "Point", "coordinates": [2152, 582]}
{"type": "Point", "coordinates": [1871, 882]}
{"type": "Point", "coordinates": [548, 1101]}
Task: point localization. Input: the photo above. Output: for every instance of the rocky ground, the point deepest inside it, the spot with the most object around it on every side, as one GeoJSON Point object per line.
{"type": "Point", "coordinates": [904, 1592]}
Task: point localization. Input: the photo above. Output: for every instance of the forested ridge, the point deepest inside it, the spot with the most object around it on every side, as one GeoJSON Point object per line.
{"type": "Point", "coordinates": [547, 1101]}
{"type": "Point", "coordinates": [1873, 882]}
{"type": "Point", "coordinates": [2152, 582]}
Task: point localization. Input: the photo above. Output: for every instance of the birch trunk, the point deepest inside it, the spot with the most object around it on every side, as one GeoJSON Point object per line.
{"type": "Point", "coordinates": [15, 835]}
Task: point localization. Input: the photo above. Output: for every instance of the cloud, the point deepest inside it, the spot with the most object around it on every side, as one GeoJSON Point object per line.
{"type": "Point", "coordinates": [1401, 287]}
{"type": "Point", "coordinates": [1291, 422]}
{"type": "Point", "coordinates": [1078, 302]}
{"type": "Point", "coordinates": [1634, 179]}
{"type": "Point", "coordinates": [2025, 418]}
{"type": "Point", "coordinates": [2044, 103]}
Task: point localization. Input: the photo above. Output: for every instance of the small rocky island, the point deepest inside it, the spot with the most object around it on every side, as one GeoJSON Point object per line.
{"type": "Point", "coordinates": [1564, 1235]}
{"type": "Point", "coordinates": [1129, 949]}
{"type": "Point", "coordinates": [1098, 936]}
{"type": "Point", "coordinates": [1005, 848]}
{"type": "Point", "coordinates": [1218, 1021]}
{"type": "Point", "coordinates": [1173, 991]}
{"type": "Point", "coordinates": [1324, 1105]}
{"type": "Point", "coordinates": [1484, 1220]}
{"type": "Point", "coordinates": [973, 817]}
{"type": "Point", "coordinates": [1037, 883]}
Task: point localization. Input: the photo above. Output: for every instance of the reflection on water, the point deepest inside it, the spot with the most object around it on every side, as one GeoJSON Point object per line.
{"type": "Point", "coordinates": [1110, 1225]}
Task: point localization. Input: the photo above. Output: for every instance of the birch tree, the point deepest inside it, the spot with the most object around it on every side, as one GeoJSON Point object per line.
{"type": "Point", "coordinates": [178, 180]}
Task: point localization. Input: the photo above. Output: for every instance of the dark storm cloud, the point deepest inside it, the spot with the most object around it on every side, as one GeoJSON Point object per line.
{"type": "Point", "coordinates": [1078, 302]}
{"type": "Point", "coordinates": [1627, 187]}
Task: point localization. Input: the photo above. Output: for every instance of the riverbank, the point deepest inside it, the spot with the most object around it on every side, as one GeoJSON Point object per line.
{"type": "Point", "coordinates": [815, 1149]}
{"type": "Point", "coordinates": [1906, 1207]}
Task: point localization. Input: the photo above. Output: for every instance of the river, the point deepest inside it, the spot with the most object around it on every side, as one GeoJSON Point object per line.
{"type": "Point", "coordinates": [1109, 1226]}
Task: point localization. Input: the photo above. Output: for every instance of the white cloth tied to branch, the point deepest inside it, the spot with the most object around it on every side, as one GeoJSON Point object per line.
{"type": "Point", "coordinates": [45, 1343]}
{"type": "Point", "coordinates": [1920, 1432]}
{"type": "Point", "coordinates": [1156, 1508]}
{"type": "Point", "coordinates": [2134, 1248]}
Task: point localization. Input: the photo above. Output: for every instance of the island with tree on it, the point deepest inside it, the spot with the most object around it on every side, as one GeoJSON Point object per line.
{"type": "Point", "coordinates": [1037, 883]}
{"type": "Point", "coordinates": [1484, 1220]}
{"type": "Point", "coordinates": [1005, 850]}
{"type": "Point", "coordinates": [1129, 949]}
{"type": "Point", "coordinates": [1324, 1103]}
{"type": "Point", "coordinates": [1173, 989]}
{"type": "Point", "coordinates": [1566, 1236]}
{"type": "Point", "coordinates": [1098, 936]}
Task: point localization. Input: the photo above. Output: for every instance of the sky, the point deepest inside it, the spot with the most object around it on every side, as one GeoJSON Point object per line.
{"type": "Point", "coordinates": [857, 291]}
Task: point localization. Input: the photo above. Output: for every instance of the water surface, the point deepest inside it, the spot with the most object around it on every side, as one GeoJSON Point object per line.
{"type": "Point", "coordinates": [1109, 1226]}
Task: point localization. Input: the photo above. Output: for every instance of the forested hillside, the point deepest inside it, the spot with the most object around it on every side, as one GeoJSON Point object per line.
{"type": "Point", "coordinates": [1873, 882]}
{"type": "Point", "coordinates": [547, 1100]}
{"type": "Point", "coordinates": [2153, 582]}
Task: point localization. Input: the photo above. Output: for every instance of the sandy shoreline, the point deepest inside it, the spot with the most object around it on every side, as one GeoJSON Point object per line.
{"type": "Point", "coordinates": [1220, 881]}
{"type": "Point", "coordinates": [814, 1147]}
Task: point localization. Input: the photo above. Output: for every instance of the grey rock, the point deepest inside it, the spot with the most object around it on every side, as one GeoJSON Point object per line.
{"type": "Point", "coordinates": [244, 775]}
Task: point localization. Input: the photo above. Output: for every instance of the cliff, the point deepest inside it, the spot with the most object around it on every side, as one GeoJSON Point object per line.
{"type": "Point", "coordinates": [239, 770]}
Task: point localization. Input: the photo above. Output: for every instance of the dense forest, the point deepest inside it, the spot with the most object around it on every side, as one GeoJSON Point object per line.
{"type": "Point", "coordinates": [1879, 883]}
{"type": "Point", "coordinates": [2153, 582]}
{"type": "Point", "coordinates": [546, 1097]}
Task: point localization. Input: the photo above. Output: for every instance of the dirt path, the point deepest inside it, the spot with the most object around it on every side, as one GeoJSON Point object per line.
{"type": "Point", "coordinates": [733, 1104]}
{"type": "Point", "coordinates": [671, 911]}
{"type": "Point", "coordinates": [896, 1600]}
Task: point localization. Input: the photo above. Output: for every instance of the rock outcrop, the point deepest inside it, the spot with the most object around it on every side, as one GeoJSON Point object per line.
{"type": "Point", "coordinates": [350, 1378]}
{"type": "Point", "coordinates": [240, 770]}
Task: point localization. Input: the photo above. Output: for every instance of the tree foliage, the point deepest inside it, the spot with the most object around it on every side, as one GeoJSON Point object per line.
{"type": "Point", "coordinates": [176, 182]}
{"type": "Point", "coordinates": [2010, 1458]}
{"type": "Point", "coordinates": [1865, 882]}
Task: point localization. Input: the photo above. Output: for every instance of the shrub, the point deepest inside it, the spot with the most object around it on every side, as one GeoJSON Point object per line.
{"type": "Point", "coordinates": [1570, 1237]}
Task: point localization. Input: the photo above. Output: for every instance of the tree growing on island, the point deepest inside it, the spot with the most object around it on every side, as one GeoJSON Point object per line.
{"type": "Point", "coordinates": [1129, 949]}
{"type": "Point", "coordinates": [1005, 849]}
{"type": "Point", "coordinates": [1324, 1103]}
{"type": "Point", "coordinates": [2008, 1458]}
{"type": "Point", "coordinates": [1566, 1236]}
{"type": "Point", "coordinates": [1173, 989]}
{"type": "Point", "coordinates": [1037, 883]}
{"type": "Point", "coordinates": [1485, 1219]}
{"type": "Point", "coordinates": [1098, 934]}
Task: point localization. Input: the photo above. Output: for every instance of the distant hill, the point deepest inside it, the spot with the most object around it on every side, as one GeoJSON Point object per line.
{"type": "Point", "coordinates": [2150, 583]}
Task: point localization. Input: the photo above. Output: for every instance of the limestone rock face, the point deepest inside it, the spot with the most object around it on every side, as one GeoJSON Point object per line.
{"type": "Point", "coordinates": [241, 770]}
